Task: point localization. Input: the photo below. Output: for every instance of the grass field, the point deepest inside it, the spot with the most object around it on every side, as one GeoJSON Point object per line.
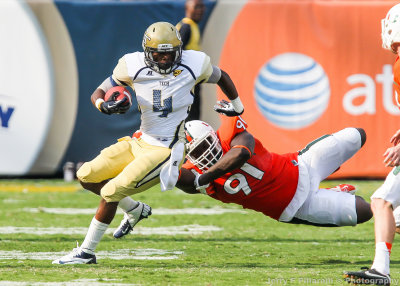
{"type": "Point", "coordinates": [221, 244]}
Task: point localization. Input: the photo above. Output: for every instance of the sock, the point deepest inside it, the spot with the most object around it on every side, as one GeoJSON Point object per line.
{"type": "Point", "coordinates": [127, 204]}
{"type": "Point", "coordinates": [95, 233]}
{"type": "Point", "coordinates": [382, 257]}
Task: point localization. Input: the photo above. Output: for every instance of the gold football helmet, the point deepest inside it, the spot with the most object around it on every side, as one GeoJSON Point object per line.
{"type": "Point", "coordinates": [162, 37]}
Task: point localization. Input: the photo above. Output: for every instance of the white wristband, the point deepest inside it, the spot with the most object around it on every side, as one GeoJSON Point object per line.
{"type": "Point", "coordinates": [237, 105]}
{"type": "Point", "coordinates": [98, 103]}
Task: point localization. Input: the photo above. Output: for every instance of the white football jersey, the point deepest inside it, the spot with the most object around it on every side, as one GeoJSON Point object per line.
{"type": "Point", "coordinates": [163, 100]}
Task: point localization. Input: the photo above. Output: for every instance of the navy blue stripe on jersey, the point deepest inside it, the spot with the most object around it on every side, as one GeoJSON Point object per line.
{"type": "Point", "coordinates": [176, 136]}
{"type": "Point", "coordinates": [138, 72]}
{"type": "Point", "coordinates": [188, 68]}
{"type": "Point", "coordinates": [154, 173]}
{"type": "Point", "coordinates": [113, 83]}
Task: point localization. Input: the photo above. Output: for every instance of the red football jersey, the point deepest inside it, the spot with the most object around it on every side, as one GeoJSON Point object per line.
{"type": "Point", "coordinates": [266, 183]}
{"type": "Point", "coordinates": [396, 83]}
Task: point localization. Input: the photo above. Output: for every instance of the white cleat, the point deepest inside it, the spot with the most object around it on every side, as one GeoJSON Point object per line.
{"type": "Point", "coordinates": [131, 218]}
{"type": "Point", "coordinates": [77, 256]}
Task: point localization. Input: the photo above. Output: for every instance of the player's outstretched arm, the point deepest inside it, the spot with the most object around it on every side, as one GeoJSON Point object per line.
{"type": "Point", "coordinates": [233, 108]}
{"type": "Point", "coordinates": [242, 148]}
{"type": "Point", "coordinates": [227, 86]}
{"type": "Point", "coordinates": [186, 182]}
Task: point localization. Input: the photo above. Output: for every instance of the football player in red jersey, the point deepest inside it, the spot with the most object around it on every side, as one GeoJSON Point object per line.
{"type": "Point", "coordinates": [387, 197]}
{"type": "Point", "coordinates": [232, 166]}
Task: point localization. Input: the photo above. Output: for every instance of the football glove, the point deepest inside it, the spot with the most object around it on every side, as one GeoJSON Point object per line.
{"type": "Point", "coordinates": [114, 106]}
{"type": "Point", "coordinates": [226, 108]}
{"type": "Point", "coordinates": [201, 189]}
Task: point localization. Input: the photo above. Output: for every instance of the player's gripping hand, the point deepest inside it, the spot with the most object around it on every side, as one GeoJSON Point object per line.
{"type": "Point", "coordinates": [227, 108]}
{"type": "Point", "coordinates": [202, 189]}
{"type": "Point", "coordinates": [395, 138]}
{"type": "Point", "coordinates": [114, 106]}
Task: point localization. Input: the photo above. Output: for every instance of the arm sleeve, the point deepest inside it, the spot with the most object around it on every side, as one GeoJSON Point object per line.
{"type": "Point", "coordinates": [215, 76]}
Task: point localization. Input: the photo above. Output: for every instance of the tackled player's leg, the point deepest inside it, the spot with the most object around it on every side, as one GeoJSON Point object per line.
{"type": "Point", "coordinates": [131, 167]}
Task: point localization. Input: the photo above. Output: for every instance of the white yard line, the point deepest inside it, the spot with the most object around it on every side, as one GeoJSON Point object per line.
{"type": "Point", "coordinates": [78, 282]}
{"type": "Point", "coordinates": [122, 254]}
{"type": "Point", "coordinates": [192, 229]}
{"type": "Point", "coordinates": [160, 211]}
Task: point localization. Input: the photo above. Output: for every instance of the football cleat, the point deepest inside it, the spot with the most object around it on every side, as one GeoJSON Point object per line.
{"type": "Point", "coordinates": [345, 188]}
{"type": "Point", "coordinates": [131, 218]}
{"type": "Point", "coordinates": [77, 256]}
{"type": "Point", "coordinates": [367, 277]}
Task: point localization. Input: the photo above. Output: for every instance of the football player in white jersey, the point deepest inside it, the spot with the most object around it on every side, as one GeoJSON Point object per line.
{"type": "Point", "coordinates": [386, 197]}
{"type": "Point", "coordinates": [162, 76]}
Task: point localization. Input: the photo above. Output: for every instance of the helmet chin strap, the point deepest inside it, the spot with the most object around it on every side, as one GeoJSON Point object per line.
{"type": "Point", "coordinates": [167, 68]}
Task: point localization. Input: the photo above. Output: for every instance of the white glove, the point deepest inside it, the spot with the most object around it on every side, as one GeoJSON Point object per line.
{"type": "Point", "coordinates": [201, 189]}
{"type": "Point", "coordinates": [234, 108]}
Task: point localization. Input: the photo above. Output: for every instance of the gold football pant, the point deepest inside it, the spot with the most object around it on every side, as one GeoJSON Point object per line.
{"type": "Point", "coordinates": [132, 166]}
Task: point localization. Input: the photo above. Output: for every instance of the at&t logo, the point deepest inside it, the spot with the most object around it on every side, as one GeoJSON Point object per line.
{"type": "Point", "coordinates": [292, 90]}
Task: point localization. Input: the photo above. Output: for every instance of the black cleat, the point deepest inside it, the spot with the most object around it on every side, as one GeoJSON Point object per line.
{"type": "Point", "coordinates": [367, 276]}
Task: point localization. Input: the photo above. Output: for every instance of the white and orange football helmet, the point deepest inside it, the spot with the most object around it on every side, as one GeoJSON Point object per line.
{"type": "Point", "coordinates": [203, 148]}
{"type": "Point", "coordinates": [162, 37]}
{"type": "Point", "coordinates": [391, 28]}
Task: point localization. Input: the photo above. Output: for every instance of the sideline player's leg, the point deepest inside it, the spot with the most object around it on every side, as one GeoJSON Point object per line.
{"type": "Point", "coordinates": [385, 198]}
{"type": "Point", "coordinates": [396, 214]}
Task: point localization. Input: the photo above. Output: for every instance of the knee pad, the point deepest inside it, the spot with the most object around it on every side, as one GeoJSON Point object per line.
{"type": "Point", "coordinates": [83, 173]}
{"type": "Point", "coordinates": [347, 215]}
{"type": "Point", "coordinates": [116, 149]}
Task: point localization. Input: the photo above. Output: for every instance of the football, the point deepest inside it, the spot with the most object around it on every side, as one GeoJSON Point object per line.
{"type": "Point", "coordinates": [123, 92]}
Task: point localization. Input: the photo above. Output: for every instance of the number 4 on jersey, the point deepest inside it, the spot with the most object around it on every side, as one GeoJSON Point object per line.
{"type": "Point", "coordinates": [165, 107]}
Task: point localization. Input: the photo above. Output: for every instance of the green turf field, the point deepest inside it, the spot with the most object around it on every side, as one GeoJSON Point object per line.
{"type": "Point", "coordinates": [173, 246]}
